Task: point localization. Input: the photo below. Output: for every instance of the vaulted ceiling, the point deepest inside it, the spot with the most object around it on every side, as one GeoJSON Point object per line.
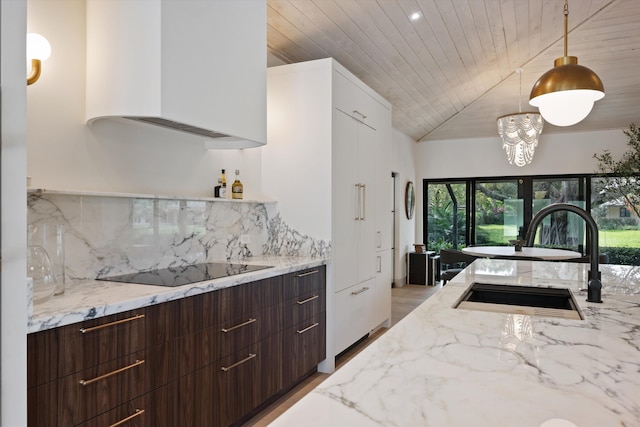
{"type": "Point", "coordinates": [451, 72]}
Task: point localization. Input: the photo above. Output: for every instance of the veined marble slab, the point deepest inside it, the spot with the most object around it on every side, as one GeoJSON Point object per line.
{"type": "Point", "coordinates": [448, 367]}
{"type": "Point", "coordinates": [107, 234]}
{"type": "Point", "coordinates": [90, 299]}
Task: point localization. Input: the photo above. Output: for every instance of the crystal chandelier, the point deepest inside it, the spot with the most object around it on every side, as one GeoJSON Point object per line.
{"type": "Point", "coordinates": [520, 133]}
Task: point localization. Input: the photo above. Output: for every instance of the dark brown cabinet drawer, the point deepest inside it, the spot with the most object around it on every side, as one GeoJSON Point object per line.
{"type": "Point", "coordinates": [304, 282]}
{"type": "Point", "coordinates": [132, 414]}
{"type": "Point", "coordinates": [304, 307]}
{"type": "Point", "coordinates": [240, 301]}
{"type": "Point", "coordinates": [244, 380]}
{"type": "Point", "coordinates": [59, 352]}
{"type": "Point", "coordinates": [205, 347]}
{"type": "Point", "coordinates": [222, 307]}
{"type": "Point", "coordinates": [88, 393]}
{"type": "Point", "coordinates": [305, 347]}
{"type": "Point", "coordinates": [217, 394]}
{"type": "Point", "coordinates": [154, 409]}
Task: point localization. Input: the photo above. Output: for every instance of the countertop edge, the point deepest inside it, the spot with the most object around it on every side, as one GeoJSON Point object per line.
{"type": "Point", "coordinates": [93, 299]}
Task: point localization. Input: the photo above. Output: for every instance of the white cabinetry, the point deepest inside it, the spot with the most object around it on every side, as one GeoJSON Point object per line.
{"type": "Point", "coordinates": [354, 193]}
{"type": "Point", "coordinates": [327, 164]}
{"type": "Point", "coordinates": [382, 290]}
{"type": "Point", "coordinates": [354, 313]}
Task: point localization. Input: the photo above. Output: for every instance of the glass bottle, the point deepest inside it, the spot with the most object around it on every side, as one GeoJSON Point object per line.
{"type": "Point", "coordinates": [223, 186]}
{"type": "Point", "coordinates": [236, 187]}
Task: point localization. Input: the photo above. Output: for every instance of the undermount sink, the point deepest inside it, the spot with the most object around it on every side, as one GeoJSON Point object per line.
{"type": "Point", "coordinates": [546, 302]}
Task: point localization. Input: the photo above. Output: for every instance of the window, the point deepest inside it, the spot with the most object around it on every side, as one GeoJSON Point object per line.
{"type": "Point", "coordinates": [498, 212]}
{"type": "Point", "coordinates": [493, 211]}
{"type": "Point", "coordinates": [619, 235]}
{"type": "Point", "coordinates": [447, 215]}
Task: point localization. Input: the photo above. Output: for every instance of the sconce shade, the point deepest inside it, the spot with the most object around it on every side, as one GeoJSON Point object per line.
{"type": "Point", "coordinates": [565, 94]}
{"type": "Point", "coordinates": [520, 133]}
{"type": "Point", "coordinates": [38, 50]}
{"type": "Point", "coordinates": [38, 47]}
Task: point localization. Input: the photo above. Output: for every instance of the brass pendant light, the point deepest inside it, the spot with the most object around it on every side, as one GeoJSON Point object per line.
{"type": "Point", "coordinates": [565, 94]}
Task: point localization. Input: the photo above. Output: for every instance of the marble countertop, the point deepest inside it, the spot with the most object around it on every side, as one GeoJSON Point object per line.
{"type": "Point", "coordinates": [441, 366]}
{"type": "Point", "coordinates": [89, 299]}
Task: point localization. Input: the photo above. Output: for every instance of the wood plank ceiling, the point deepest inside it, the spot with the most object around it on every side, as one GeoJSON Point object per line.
{"type": "Point", "coordinates": [451, 72]}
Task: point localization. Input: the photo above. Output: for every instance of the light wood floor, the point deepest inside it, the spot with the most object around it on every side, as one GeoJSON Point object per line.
{"type": "Point", "coordinates": [403, 300]}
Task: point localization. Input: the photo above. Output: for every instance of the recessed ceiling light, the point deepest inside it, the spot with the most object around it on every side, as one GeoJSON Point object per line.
{"type": "Point", "coordinates": [415, 16]}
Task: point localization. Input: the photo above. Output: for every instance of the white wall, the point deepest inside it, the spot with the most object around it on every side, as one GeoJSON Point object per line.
{"type": "Point", "coordinates": [124, 156]}
{"type": "Point", "coordinates": [405, 168]}
{"type": "Point", "coordinates": [13, 289]}
{"type": "Point", "coordinates": [560, 153]}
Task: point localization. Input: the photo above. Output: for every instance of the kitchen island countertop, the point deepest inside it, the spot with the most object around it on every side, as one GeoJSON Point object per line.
{"type": "Point", "coordinates": [448, 367]}
{"type": "Point", "coordinates": [89, 299]}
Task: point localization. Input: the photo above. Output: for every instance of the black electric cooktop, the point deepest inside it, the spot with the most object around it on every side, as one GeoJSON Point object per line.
{"type": "Point", "coordinates": [178, 276]}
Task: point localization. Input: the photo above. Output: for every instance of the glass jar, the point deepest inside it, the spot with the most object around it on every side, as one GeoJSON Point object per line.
{"type": "Point", "coordinates": [40, 269]}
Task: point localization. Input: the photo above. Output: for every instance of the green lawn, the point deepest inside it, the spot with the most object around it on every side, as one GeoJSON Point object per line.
{"type": "Point", "coordinates": [619, 238]}
{"type": "Point", "coordinates": [494, 233]}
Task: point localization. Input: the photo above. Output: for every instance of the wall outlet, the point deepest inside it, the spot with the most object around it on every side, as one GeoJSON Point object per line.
{"type": "Point", "coordinates": [244, 239]}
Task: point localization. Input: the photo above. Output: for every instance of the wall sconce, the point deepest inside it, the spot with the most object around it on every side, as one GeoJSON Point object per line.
{"type": "Point", "coordinates": [38, 50]}
{"type": "Point", "coordinates": [565, 94]}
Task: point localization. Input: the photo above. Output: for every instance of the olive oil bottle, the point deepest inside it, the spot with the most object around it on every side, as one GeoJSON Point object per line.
{"type": "Point", "coordinates": [236, 187]}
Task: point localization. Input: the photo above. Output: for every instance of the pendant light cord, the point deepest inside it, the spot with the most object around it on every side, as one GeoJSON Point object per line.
{"type": "Point", "coordinates": [566, 26]}
{"type": "Point", "coordinates": [519, 71]}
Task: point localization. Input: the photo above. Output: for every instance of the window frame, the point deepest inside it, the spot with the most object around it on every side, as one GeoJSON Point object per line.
{"type": "Point", "coordinates": [525, 191]}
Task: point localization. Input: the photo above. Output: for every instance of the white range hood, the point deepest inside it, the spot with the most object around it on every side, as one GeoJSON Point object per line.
{"type": "Point", "coordinates": [195, 66]}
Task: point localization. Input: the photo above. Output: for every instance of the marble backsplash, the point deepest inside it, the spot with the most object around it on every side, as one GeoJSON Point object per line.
{"type": "Point", "coordinates": [106, 234]}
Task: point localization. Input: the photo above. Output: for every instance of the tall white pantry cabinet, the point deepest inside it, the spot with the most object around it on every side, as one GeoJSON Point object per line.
{"type": "Point", "coordinates": [328, 164]}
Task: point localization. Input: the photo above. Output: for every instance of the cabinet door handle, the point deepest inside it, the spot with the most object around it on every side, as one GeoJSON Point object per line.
{"type": "Point", "coordinates": [359, 113]}
{"type": "Point", "coordinates": [308, 300]}
{"type": "Point", "coordinates": [379, 262]}
{"type": "Point", "coordinates": [129, 418]}
{"type": "Point", "coordinates": [246, 359]}
{"type": "Point", "coordinates": [302, 331]}
{"type": "Point", "coordinates": [106, 325]}
{"type": "Point", "coordinates": [360, 291]}
{"type": "Point", "coordinates": [308, 273]}
{"type": "Point", "coordinates": [364, 202]}
{"type": "Point", "coordinates": [117, 371]}
{"type": "Point", "coordinates": [359, 202]}
{"type": "Point", "coordinates": [248, 322]}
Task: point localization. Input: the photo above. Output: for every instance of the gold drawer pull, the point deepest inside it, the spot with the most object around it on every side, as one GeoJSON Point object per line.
{"type": "Point", "coordinates": [360, 291]}
{"type": "Point", "coordinates": [302, 331]}
{"type": "Point", "coordinates": [248, 322]}
{"type": "Point", "coordinates": [117, 322]}
{"type": "Point", "coordinates": [117, 371]}
{"type": "Point", "coordinates": [308, 299]}
{"type": "Point", "coordinates": [308, 273]}
{"type": "Point", "coordinates": [246, 359]}
{"type": "Point", "coordinates": [129, 418]}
